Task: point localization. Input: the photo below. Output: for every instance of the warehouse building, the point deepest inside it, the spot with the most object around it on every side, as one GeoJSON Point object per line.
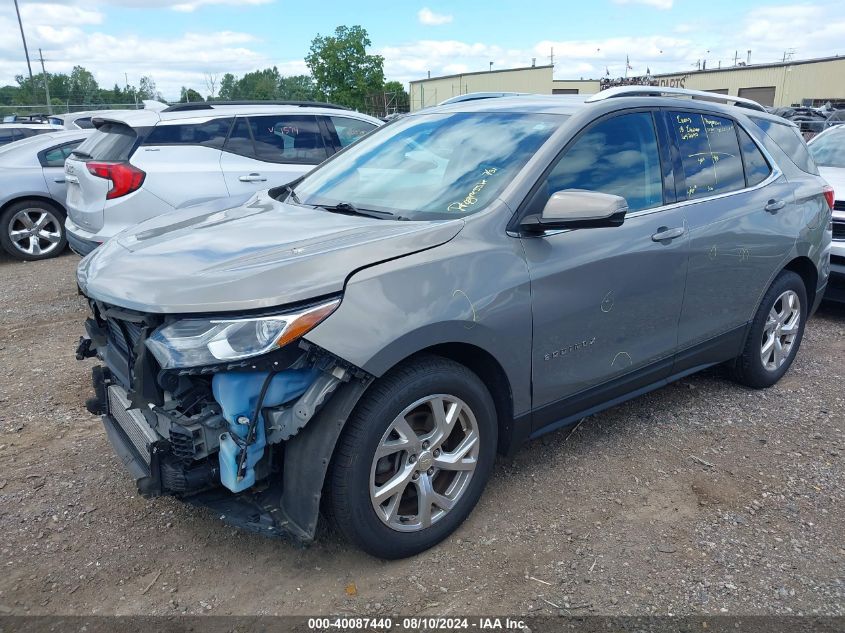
{"type": "Point", "coordinates": [804, 82]}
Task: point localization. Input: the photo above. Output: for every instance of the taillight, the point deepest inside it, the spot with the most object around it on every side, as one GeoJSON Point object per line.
{"type": "Point", "coordinates": [829, 196]}
{"type": "Point", "coordinates": [125, 178]}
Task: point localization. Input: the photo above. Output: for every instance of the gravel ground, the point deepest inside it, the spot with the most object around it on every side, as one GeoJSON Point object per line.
{"type": "Point", "coordinates": [700, 498]}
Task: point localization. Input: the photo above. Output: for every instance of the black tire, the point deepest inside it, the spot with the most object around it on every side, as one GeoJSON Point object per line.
{"type": "Point", "coordinates": [348, 495]}
{"type": "Point", "coordinates": [748, 368]}
{"type": "Point", "coordinates": [47, 249]}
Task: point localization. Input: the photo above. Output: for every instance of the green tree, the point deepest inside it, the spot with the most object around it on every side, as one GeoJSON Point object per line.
{"type": "Point", "coordinates": [147, 89]}
{"type": "Point", "coordinates": [83, 87]}
{"type": "Point", "coordinates": [343, 71]}
{"type": "Point", "coordinates": [189, 95]}
{"type": "Point", "coordinates": [297, 88]}
{"type": "Point", "coordinates": [228, 88]}
{"type": "Point", "coordinates": [260, 85]}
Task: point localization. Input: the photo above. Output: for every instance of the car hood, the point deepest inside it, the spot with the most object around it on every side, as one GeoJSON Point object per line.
{"type": "Point", "coordinates": [835, 176]}
{"type": "Point", "coordinates": [216, 257]}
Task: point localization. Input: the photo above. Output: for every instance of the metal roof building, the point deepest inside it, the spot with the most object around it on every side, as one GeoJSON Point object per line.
{"type": "Point", "coordinates": [801, 82]}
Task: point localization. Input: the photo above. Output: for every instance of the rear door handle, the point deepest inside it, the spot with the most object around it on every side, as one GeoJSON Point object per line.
{"type": "Point", "coordinates": [664, 233]}
{"type": "Point", "coordinates": [59, 180]}
{"type": "Point", "coordinates": [775, 205]}
{"type": "Point", "coordinates": [252, 178]}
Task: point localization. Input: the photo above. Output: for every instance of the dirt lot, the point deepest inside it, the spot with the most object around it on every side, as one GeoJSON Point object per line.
{"type": "Point", "coordinates": [700, 498]}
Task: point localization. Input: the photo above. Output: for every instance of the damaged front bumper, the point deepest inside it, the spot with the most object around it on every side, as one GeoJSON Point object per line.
{"type": "Point", "coordinates": [171, 445]}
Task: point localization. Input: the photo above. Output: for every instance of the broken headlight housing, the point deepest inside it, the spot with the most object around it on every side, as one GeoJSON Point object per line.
{"type": "Point", "coordinates": [198, 342]}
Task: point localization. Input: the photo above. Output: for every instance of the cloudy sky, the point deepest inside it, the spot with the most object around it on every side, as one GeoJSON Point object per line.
{"type": "Point", "coordinates": [178, 42]}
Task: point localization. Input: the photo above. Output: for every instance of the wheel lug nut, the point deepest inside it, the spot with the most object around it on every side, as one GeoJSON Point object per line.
{"type": "Point", "coordinates": [430, 471]}
{"type": "Point", "coordinates": [415, 476]}
{"type": "Point", "coordinates": [412, 459]}
{"type": "Point", "coordinates": [425, 445]}
{"type": "Point", "coordinates": [436, 452]}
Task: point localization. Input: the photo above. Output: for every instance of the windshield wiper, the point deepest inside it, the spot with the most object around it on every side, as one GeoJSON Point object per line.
{"type": "Point", "coordinates": [291, 193]}
{"type": "Point", "coordinates": [351, 209]}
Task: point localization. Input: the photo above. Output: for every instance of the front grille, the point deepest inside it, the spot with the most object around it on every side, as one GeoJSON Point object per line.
{"type": "Point", "coordinates": [839, 230]}
{"type": "Point", "coordinates": [118, 339]}
{"type": "Point", "coordinates": [132, 422]}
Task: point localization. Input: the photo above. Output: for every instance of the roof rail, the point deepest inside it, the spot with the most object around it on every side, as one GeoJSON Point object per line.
{"type": "Point", "coordinates": [664, 91]}
{"type": "Point", "coordinates": [209, 105]}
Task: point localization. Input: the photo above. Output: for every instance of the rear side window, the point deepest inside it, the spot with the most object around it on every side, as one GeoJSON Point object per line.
{"type": "Point", "coordinates": [618, 156]}
{"type": "Point", "coordinates": [350, 130]}
{"type": "Point", "coordinates": [111, 142]}
{"type": "Point", "coordinates": [789, 139]}
{"type": "Point", "coordinates": [208, 134]}
{"type": "Point", "coordinates": [757, 168]}
{"type": "Point", "coordinates": [278, 139]}
{"type": "Point", "coordinates": [56, 156]}
{"type": "Point", "coordinates": [709, 154]}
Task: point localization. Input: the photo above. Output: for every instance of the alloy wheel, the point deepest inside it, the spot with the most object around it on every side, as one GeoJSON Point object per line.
{"type": "Point", "coordinates": [424, 462]}
{"type": "Point", "coordinates": [780, 330]}
{"type": "Point", "coordinates": [35, 231]}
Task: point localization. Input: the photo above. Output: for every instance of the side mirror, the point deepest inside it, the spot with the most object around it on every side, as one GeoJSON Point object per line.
{"type": "Point", "coordinates": [578, 209]}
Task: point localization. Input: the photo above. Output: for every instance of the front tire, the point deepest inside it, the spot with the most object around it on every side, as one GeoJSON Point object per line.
{"type": "Point", "coordinates": [31, 230]}
{"type": "Point", "coordinates": [414, 458]}
{"type": "Point", "coordinates": [776, 333]}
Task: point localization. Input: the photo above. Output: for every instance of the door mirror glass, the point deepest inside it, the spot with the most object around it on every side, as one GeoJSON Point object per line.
{"type": "Point", "coordinates": [574, 208]}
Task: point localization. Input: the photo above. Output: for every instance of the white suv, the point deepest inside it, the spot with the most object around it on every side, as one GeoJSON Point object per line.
{"type": "Point", "coordinates": [144, 163]}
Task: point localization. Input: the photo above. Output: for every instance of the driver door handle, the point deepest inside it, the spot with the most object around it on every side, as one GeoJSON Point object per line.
{"type": "Point", "coordinates": [775, 205]}
{"type": "Point", "coordinates": [252, 178]}
{"type": "Point", "coordinates": [664, 233]}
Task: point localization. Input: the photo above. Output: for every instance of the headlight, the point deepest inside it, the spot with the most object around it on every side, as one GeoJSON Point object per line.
{"type": "Point", "coordinates": [196, 342]}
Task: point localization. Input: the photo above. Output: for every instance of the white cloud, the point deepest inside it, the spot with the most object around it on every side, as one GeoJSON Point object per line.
{"type": "Point", "coordinates": [430, 18]}
{"type": "Point", "coordinates": [657, 4]}
{"type": "Point", "coordinates": [58, 14]}
{"type": "Point", "coordinates": [193, 5]}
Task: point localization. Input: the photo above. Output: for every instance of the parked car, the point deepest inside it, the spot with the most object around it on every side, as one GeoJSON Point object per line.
{"type": "Point", "coordinates": [828, 150]}
{"type": "Point", "coordinates": [32, 194]}
{"type": "Point", "coordinates": [383, 325]}
{"type": "Point", "coordinates": [11, 132]}
{"type": "Point", "coordinates": [144, 163]}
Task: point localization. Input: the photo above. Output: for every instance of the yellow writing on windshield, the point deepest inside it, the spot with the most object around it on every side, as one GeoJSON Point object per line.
{"type": "Point", "coordinates": [472, 197]}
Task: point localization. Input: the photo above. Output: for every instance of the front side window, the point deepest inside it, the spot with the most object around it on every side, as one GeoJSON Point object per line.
{"type": "Point", "coordinates": [431, 166]}
{"type": "Point", "coordinates": [709, 152]}
{"type": "Point", "coordinates": [350, 130]}
{"type": "Point", "coordinates": [828, 150]}
{"type": "Point", "coordinates": [617, 156]}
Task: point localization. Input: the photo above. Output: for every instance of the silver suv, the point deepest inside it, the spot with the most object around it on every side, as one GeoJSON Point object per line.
{"type": "Point", "coordinates": [459, 281]}
{"type": "Point", "coordinates": [143, 163]}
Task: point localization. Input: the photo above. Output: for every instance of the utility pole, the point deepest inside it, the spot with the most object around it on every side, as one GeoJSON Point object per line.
{"type": "Point", "coordinates": [552, 57]}
{"type": "Point", "coordinates": [46, 82]}
{"type": "Point", "coordinates": [25, 50]}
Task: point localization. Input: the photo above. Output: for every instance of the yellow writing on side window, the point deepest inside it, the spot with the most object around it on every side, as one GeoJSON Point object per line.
{"type": "Point", "coordinates": [472, 197]}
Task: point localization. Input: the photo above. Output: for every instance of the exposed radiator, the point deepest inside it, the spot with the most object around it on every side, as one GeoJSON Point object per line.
{"type": "Point", "coordinates": [131, 421]}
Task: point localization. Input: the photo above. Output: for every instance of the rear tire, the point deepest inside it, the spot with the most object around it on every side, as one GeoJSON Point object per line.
{"type": "Point", "coordinates": [31, 230]}
{"type": "Point", "coordinates": [414, 458]}
{"type": "Point", "coordinates": [775, 335]}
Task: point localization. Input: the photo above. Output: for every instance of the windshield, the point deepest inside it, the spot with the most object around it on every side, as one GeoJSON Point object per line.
{"type": "Point", "coordinates": [431, 166]}
{"type": "Point", "coordinates": [828, 150]}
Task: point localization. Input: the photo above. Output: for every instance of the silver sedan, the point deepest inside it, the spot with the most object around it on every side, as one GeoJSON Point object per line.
{"type": "Point", "coordinates": [32, 194]}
